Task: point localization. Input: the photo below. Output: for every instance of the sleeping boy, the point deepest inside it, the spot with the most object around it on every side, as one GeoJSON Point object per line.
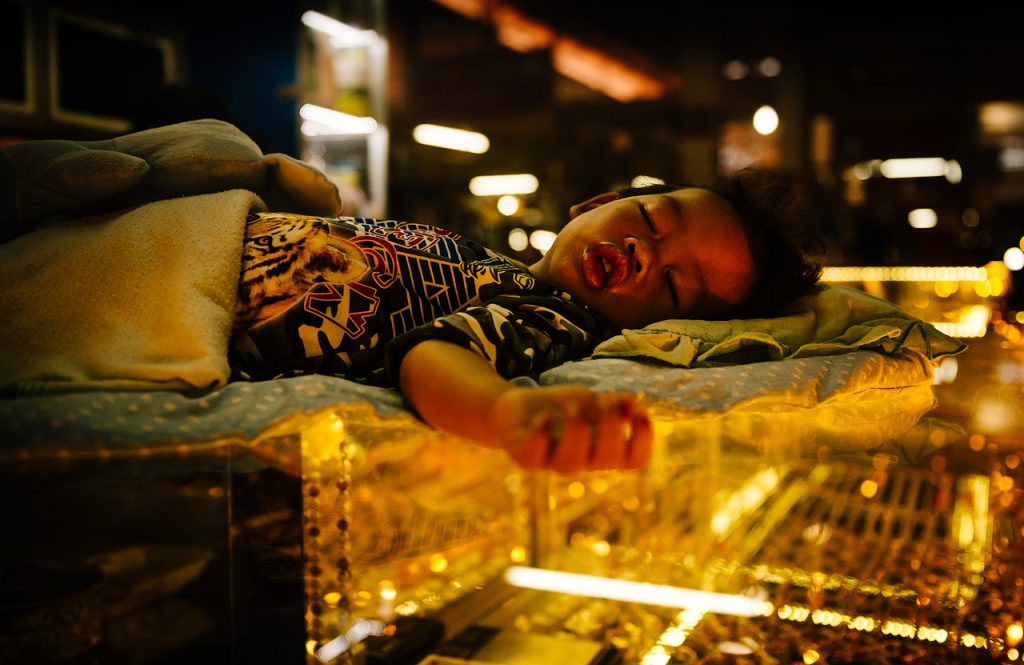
{"type": "Point", "coordinates": [450, 323]}
{"type": "Point", "coordinates": [453, 324]}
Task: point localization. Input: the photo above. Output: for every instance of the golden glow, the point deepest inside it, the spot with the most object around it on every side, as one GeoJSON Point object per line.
{"type": "Point", "coordinates": [518, 31]}
{"type": "Point", "coordinates": [408, 608]}
{"type": "Point", "coordinates": [387, 590]}
{"type": "Point", "coordinates": [605, 73]}
{"type": "Point", "coordinates": [675, 634]}
{"type": "Point", "coordinates": [438, 563]}
{"type": "Point", "coordinates": [973, 321]}
{"type": "Point", "coordinates": [451, 138]}
{"type": "Point", "coordinates": [622, 76]}
{"type": "Point", "coordinates": [904, 274]}
{"type": "Point", "coordinates": [332, 598]}
{"type": "Point", "coordinates": [1012, 654]}
{"type": "Point", "coordinates": [636, 592]}
{"type": "Point", "coordinates": [656, 656]}
{"type": "Point", "coordinates": [576, 489]}
{"type": "Point", "coordinates": [869, 488]}
{"type": "Point", "coordinates": [601, 548]}
{"type": "Point", "coordinates": [497, 185]}
{"type": "Point", "coordinates": [811, 656]}
{"type": "Point", "coordinates": [517, 554]}
{"type": "Point", "coordinates": [745, 499]}
{"type": "Point", "coordinates": [1014, 633]}
{"type": "Point", "coordinates": [310, 646]}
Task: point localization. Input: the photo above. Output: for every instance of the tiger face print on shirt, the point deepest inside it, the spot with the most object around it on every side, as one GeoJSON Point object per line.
{"type": "Point", "coordinates": [283, 255]}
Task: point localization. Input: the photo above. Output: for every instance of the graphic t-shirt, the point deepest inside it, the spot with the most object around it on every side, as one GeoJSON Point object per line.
{"type": "Point", "coordinates": [349, 296]}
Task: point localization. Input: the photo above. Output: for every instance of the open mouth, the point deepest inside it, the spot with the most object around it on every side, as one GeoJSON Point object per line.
{"type": "Point", "coordinates": [605, 265]}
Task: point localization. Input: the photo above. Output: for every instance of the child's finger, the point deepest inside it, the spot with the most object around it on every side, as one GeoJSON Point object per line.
{"type": "Point", "coordinates": [535, 447]}
{"type": "Point", "coordinates": [641, 441]}
{"type": "Point", "coordinates": [609, 441]}
{"type": "Point", "coordinates": [572, 451]}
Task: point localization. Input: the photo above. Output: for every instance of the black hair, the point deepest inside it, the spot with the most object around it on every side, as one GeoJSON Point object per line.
{"type": "Point", "coordinates": [781, 224]}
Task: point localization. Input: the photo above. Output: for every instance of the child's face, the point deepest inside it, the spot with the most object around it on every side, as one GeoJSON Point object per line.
{"type": "Point", "coordinates": [642, 259]}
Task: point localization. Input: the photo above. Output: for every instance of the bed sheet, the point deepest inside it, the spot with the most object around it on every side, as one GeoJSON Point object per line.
{"type": "Point", "coordinates": [853, 402]}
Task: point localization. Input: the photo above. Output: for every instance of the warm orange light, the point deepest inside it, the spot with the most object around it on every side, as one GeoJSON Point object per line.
{"type": "Point", "coordinates": [1014, 633]}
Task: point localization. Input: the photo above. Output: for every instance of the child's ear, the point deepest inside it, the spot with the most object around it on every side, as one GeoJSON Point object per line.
{"type": "Point", "coordinates": [591, 203]}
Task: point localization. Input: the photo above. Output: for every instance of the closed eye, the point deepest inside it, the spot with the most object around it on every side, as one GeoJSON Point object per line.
{"type": "Point", "coordinates": [647, 217]}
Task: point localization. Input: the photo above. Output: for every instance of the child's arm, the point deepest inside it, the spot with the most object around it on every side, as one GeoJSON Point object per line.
{"type": "Point", "coordinates": [564, 428]}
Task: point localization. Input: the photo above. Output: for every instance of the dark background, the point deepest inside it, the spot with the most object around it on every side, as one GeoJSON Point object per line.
{"type": "Point", "coordinates": [889, 85]}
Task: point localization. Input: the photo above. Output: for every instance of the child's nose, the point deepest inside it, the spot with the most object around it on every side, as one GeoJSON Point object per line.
{"type": "Point", "coordinates": [631, 248]}
{"type": "Point", "coordinates": [642, 256]}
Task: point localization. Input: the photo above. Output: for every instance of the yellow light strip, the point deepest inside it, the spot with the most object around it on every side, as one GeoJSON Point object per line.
{"type": "Point", "coordinates": [497, 185]}
{"type": "Point", "coordinates": [661, 595]}
{"type": "Point", "coordinates": [904, 274]}
{"type": "Point", "coordinates": [328, 121]}
{"type": "Point", "coordinates": [451, 138]}
{"type": "Point", "coordinates": [868, 624]}
{"type": "Point", "coordinates": [342, 34]}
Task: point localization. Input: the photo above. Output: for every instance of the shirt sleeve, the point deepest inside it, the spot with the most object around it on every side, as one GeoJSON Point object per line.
{"type": "Point", "coordinates": [518, 334]}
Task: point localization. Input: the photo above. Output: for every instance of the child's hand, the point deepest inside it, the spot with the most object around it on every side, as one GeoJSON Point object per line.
{"type": "Point", "coordinates": [572, 428]}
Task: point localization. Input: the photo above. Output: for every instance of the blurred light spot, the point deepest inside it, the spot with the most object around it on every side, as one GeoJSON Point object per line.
{"type": "Point", "coordinates": [862, 170]}
{"type": "Point", "coordinates": [518, 239]}
{"type": "Point", "coordinates": [451, 138]}
{"type": "Point", "coordinates": [576, 489]}
{"type": "Point", "coordinates": [342, 34]}
{"type": "Point", "coordinates": [1014, 258]}
{"type": "Point", "coordinates": [601, 548]}
{"type": "Point", "coordinates": [542, 240]}
{"type": "Point", "coordinates": [734, 648]}
{"type": "Point", "coordinates": [328, 121]}
{"type": "Point", "coordinates": [923, 218]}
{"type": "Point", "coordinates": [811, 656]}
{"type": "Point", "coordinates": [868, 488]}
{"type": "Point", "coordinates": [769, 67]}
{"type": "Point", "coordinates": [1014, 633]}
{"type": "Point", "coordinates": [946, 371]}
{"type": "Point", "coordinates": [766, 120]}
{"type": "Point", "coordinates": [970, 218]}
{"type": "Point", "coordinates": [1011, 159]}
{"type": "Point", "coordinates": [387, 590]}
{"type": "Point", "coordinates": [976, 442]}
{"type": "Point", "coordinates": [496, 185]}
{"type": "Point", "coordinates": [518, 554]}
{"type": "Point", "coordinates": [646, 181]}
{"type": "Point", "coordinates": [438, 563]}
{"type": "Point", "coordinates": [918, 167]}
{"type": "Point", "coordinates": [734, 70]}
{"type": "Point", "coordinates": [508, 205]}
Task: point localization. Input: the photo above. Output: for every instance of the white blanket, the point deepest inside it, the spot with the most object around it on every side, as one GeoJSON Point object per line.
{"type": "Point", "coordinates": [142, 299]}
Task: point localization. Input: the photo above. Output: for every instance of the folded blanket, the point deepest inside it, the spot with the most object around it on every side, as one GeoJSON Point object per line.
{"type": "Point", "coordinates": [837, 319]}
{"type": "Point", "coordinates": [141, 299]}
